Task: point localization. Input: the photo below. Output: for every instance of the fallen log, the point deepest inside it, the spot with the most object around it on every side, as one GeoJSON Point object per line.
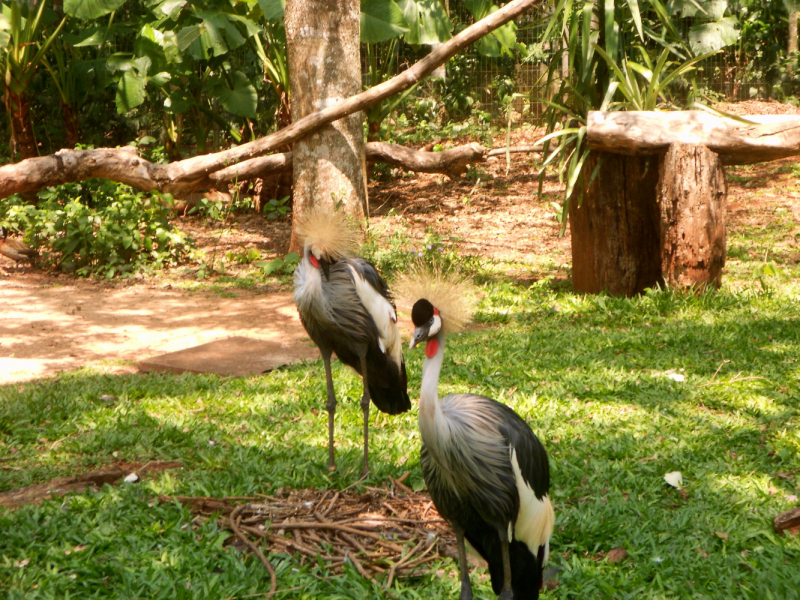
{"type": "Point", "coordinates": [181, 177]}
{"type": "Point", "coordinates": [452, 162]}
{"type": "Point", "coordinates": [637, 133]}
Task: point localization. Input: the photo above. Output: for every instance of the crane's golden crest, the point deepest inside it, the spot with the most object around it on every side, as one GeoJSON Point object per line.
{"type": "Point", "coordinates": [330, 231]}
{"type": "Point", "coordinates": [451, 293]}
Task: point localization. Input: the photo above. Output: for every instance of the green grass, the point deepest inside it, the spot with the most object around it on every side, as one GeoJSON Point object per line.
{"type": "Point", "coordinates": [591, 376]}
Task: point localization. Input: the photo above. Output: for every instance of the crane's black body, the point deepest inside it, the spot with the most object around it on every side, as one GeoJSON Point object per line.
{"type": "Point", "coordinates": [483, 512]}
{"type": "Point", "coordinates": [347, 309]}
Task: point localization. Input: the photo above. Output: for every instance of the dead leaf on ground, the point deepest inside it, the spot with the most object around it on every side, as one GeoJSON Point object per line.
{"type": "Point", "coordinates": [616, 555]}
{"type": "Point", "coordinates": [722, 535]}
{"type": "Point", "coordinates": [675, 479]}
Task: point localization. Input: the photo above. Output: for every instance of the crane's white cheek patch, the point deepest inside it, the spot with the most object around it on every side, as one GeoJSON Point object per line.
{"type": "Point", "coordinates": [535, 518]}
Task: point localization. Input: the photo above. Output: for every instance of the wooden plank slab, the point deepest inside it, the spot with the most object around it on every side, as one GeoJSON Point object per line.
{"type": "Point", "coordinates": [237, 356]}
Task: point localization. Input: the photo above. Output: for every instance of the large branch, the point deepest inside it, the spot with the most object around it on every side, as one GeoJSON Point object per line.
{"type": "Point", "coordinates": [184, 176]}
{"type": "Point", "coordinates": [452, 162]}
{"type": "Point", "coordinates": [640, 133]}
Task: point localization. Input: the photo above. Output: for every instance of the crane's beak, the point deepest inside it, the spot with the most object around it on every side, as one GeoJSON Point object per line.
{"type": "Point", "coordinates": [420, 335]}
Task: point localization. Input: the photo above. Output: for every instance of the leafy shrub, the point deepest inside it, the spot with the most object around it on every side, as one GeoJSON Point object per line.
{"type": "Point", "coordinates": [99, 227]}
{"type": "Point", "coordinates": [276, 266]}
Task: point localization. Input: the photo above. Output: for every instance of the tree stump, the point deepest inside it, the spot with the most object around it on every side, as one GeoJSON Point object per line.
{"type": "Point", "coordinates": [615, 241]}
{"type": "Point", "coordinates": [691, 198]}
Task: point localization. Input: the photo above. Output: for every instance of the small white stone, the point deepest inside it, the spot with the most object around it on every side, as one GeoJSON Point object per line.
{"type": "Point", "coordinates": [676, 377]}
{"type": "Point", "coordinates": [131, 478]}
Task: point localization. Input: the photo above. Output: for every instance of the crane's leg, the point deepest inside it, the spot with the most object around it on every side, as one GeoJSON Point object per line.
{"type": "Point", "coordinates": [365, 407]}
{"type": "Point", "coordinates": [506, 593]}
{"type": "Point", "coordinates": [330, 405]}
{"type": "Point", "coordinates": [463, 566]}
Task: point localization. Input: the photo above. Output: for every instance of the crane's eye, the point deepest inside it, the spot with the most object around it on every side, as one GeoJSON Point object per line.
{"type": "Point", "coordinates": [431, 321]}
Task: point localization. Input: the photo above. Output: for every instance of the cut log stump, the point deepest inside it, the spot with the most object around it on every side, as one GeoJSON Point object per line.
{"type": "Point", "coordinates": [692, 200]}
{"type": "Point", "coordinates": [615, 242]}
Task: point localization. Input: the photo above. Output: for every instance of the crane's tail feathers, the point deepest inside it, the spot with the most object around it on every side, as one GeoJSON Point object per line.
{"type": "Point", "coordinates": [388, 388]}
{"type": "Point", "coordinates": [332, 232]}
{"type": "Point", "coordinates": [451, 293]}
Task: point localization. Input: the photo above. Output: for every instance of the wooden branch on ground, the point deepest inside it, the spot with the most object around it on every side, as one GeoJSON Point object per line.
{"type": "Point", "coordinates": [637, 133]}
{"type": "Point", "coordinates": [452, 162]}
{"type": "Point", "coordinates": [182, 177]}
{"type": "Point", "coordinates": [787, 520]}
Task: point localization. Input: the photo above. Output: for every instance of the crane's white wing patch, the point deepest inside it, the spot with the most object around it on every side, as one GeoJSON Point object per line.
{"type": "Point", "coordinates": [535, 518]}
{"type": "Point", "coordinates": [383, 314]}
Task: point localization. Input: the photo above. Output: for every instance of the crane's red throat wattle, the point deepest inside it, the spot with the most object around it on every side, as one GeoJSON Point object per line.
{"type": "Point", "coordinates": [314, 261]}
{"type": "Point", "coordinates": [431, 347]}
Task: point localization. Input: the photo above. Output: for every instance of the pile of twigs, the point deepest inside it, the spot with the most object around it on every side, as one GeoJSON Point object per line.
{"type": "Point", "coordinates": [384, 532]}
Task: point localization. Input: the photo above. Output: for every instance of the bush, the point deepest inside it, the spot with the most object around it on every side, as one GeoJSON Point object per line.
{"type": "Point", "coordinates": [99, 227]}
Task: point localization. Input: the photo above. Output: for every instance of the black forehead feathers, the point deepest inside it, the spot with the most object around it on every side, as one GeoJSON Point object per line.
{"type": "Point", "coordinates": [421, 313]}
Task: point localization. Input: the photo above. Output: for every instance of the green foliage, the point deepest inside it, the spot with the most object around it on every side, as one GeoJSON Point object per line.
{"type": "Point", "coordinates": [99, 228]}
{"type": "Point", "coordinates": [276, 208]}
{"type": "Point", "coordinates": [381, 20]}
{"type": "Point", "coordinates": [281, 265]}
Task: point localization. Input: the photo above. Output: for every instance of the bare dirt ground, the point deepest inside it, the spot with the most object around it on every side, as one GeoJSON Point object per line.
{"type": "Point", "coordinates": [52, 323]}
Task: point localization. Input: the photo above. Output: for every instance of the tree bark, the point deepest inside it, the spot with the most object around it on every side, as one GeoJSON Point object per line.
{"type": "Point", "coordinates": [615, 245]}
{"type": "Point", "coordinates": [324, 54]}
{"type": "Point", "coordinates": [182, 177]}
{"type": "Point", "coordinates": [71, 124]}
{"type": "Point", "coordinates": [22, 140]}
{"type": "Point", "coordinates": [637, 133]}
{"type": "Point", "coordinates": [692, 199]}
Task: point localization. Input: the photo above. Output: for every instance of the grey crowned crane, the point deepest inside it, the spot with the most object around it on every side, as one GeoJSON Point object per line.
{"type": "Point", "coordinates": [486, 471]}
{"type": "Point", "coordinates": [15, 249]}
{"type": "Point", "coordinates": [347, 309]}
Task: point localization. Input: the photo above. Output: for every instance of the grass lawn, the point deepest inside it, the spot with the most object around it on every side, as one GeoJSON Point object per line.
{"type": "Point", "coordinates": [592, 375]}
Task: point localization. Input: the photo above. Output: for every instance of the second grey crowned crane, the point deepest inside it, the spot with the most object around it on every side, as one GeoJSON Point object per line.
{"type": "Point", "coordinates": [347, 309]}
{"type": "Point", "coordinates": [486, 471]}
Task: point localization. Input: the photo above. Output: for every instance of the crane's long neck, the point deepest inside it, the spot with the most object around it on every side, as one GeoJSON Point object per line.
{"type": "Point", "coordinates": [429, 390]}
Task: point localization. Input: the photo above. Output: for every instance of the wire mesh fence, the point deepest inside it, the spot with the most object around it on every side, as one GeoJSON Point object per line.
{"type": "Point", "coordinates": [475, 82]}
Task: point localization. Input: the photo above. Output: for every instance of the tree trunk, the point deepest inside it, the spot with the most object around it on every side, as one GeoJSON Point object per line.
{"type": "Point", "coordinates": [22, 139]}
{"type": "Point", "coordinates": [792, 47]}
{"type": "Point", "coordinates": [615, 246]}
{"type": "Point", "coordinates": [71, 124]}
{"type": "Point", "coordinates": [323, 50]}
{"type": "Point", "coordinates": [691, 196]}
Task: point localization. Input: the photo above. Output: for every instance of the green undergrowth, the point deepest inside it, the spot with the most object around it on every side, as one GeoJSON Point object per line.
{"type": "Point", "coordinates": [594, 376]}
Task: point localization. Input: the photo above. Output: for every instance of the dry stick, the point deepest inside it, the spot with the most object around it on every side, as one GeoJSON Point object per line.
{"type": "Point", "coordinates": [735, 379]}
{"type": "Point", "coordinates": [179, 178]}
{"type": "Point", "coordinates": [400, 563]}
{"type": "Point", "coordinates": [255, 549]}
